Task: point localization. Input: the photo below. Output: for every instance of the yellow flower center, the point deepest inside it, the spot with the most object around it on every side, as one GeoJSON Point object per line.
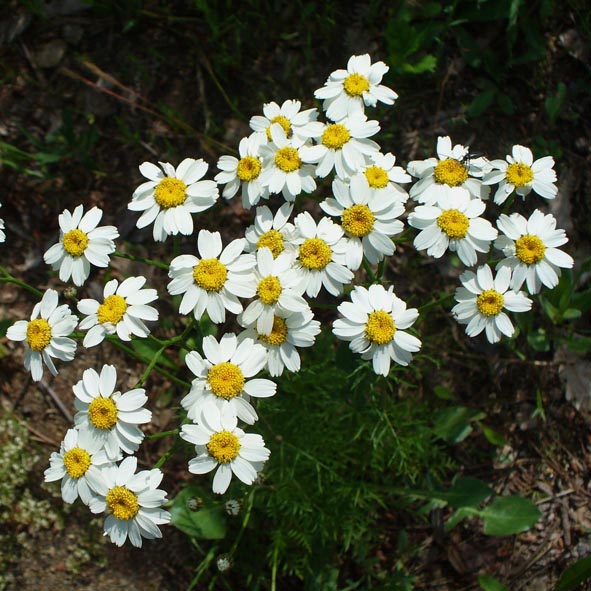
{"type": "Point", "coordinates": [76, 462]}
{"type": "Point", "coordinates": [210, 274]}
{"type": "Point", "coordinates": [122, 503]}
{"type": "Point", "coordinates": [288, 159]}
{"type": "Point", "coordinates": [529, 249]}
{"type": "Point", "coordinates": [273, 240]}
{"type": "Point", "coordinates": [269, 290]}
{"type": "Point", "coordinates": [490, 302]}
{"type": "Point", "coordinates": [315, 254]}
{"type": "Point", "coordinates": [356, 84]}
{"type": "Point", "coordinates": [75, 242]}
{"type": "Point", "coordinates": [223, 446]}
{"type": "Point", "coordinates": [38, 334]}
{"type": "Point", "coordinates": [380, 327]}
{"type": "Point", "coordinates": [248, 168]}
{"type": "Point", "coordinates": [278, 335]}
{"type": "Point", "coordinates": [283, 121]}
{"type": "Point", "coordinates": [170, 192]}
{"type": "Point", "coordinates": [102, 413]}
{"type": "Point", "coordinates": [112, 309]}
{"type": "Point", "coordinates": [335, 136]}
{"type": "Point", "coordinates": [377, 177]}
{"type": "Point", "coordinates": [358, 220]}
{"type": "Point", "coordinates": [226, 380]}
{"type": "Point", "coordinates": [450, 172]}
{"type": "Point", "coordinates": [519, 174]}
{"type": "Point", "coordinates": [454, 223]}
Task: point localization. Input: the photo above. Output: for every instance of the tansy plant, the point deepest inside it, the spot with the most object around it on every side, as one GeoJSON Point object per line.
{"type": "Point", "coordinates": [266, 286]}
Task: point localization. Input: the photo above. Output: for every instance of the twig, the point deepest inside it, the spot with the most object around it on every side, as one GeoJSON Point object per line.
{"type": "Point", "coordinates": [53, 395]}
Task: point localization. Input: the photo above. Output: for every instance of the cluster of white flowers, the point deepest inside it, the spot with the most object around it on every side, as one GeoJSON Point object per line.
{"type": "Point", "coordinates": [266, 278]}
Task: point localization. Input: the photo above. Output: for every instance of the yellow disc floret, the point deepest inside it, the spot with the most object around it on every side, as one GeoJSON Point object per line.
{"type": "Point", "coordinates": [356, 84]}
{"type": "Point", "coordinates": [170, 192]}
{"type": "Point", "coordinates": [315, 254]}
{"type": "Point", "coordinates": [122, 503]}
{"type": "Point", "coordinates": [288, 159]}
{"type": "Point", "coordinates": [283, 121]}
{"type": "Point", "coordinates": [273, 240]}
{"type": "Point", "coordinates": [269, 289]}
{"type": "Point", "coordinates": [380, 327]}
{"type": "Point", "coordinates": [529, 249]}
{"type": "Point", "coordinates": [358, 220]}
{"type": "Point", "coordinates": [210, 274]}
{"type": "Point", "coordinates": [490, 302]}
{"type": "Point", "coordinates": [226, 380]}
{"type": "Point", "coordinates": [112, 309]}
{"type": "Point", "coordinates": [377, 177]}
{"type": "Point", "coordinates": [278, 334]}
{"type": "Point", "coordinates": [76, 462]}
{"type": "Point", "coordinates": [454, 223]}
{"type": "Point", "coordinates": [38, 334]}
{"type": "Point", "coordinates": [248, 168]}
{"type": "Point", "coordinates": [75, 242]}
{"type": "Point", "coordinates": [102, 413]}
{"type": "Point", "coordinates": [335, 136]}
{"type": "Point", "coordinates": [519, 174]}
{"type": "Point", "coordinates": [223, 446]}
{"type": "Point", "coordinates": [450, 172]}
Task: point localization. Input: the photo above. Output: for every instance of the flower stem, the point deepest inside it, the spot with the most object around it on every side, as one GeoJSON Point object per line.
{"type": "Point", "coordinates": [8, 278]}
{"type": "Point", "coordinates": [132, 257]}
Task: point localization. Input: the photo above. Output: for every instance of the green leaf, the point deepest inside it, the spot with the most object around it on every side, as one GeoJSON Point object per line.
{"type": "Point", "coordinates": [574, 575]}
{"type": "Point", "coordinates": [147, 349]}
{"type": "Point", "coordinates": [427, 63]}
{"type": "Point", "coordinates": [509, 515]}
{"type": "Point", "coordinates": [467, 492]}
{"type": "Point", "coordinates": [482, 102]}
{"type": "Point", "coordinates": [444, 393]}
{"type": "Point", "coordinates": [453, 424]}
{"type": "Point", "coordinates": [208, 523]}
{"type": "Point", "coordinates": [489, 583]}
{"type": "Point", "coordinates": [538, 340]}
{"type": "Point", "coordinates": [571, 314]}
{"type": "Point", "coordinates": [492, 436]}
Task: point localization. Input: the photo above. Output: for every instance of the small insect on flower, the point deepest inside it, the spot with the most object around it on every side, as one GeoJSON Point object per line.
{"type": "Point", "coordinates": [45, 334]}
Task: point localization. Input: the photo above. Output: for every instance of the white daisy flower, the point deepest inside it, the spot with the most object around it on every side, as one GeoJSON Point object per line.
{"type": "Point", "coordinates": [343, 146]}
{"type": "Point", "coordinates": [531, 250]}
{"type": "Point", "coordinates": [111, 418]}
{"type": "Point", "coordinates": [284, 169]}
{"type": "Point", "coordinates": [290, 331]}
{"type": "Point", "coordinates": [451, 168]}
{"type": "Point", "coordinates": [78, 452]}
{"type": "Point", "coordinates": [272, 232]}
{"type": "Point", "coordinates": [223, 377]}
{"type": "Point", "coordinates": [347, 91]}
{"type": "Point", "coordinates": [123, 311]}
{"type": "Point", "coordinates": [299, 125]}
{"type": "Point", "coordinates": [222, 446]}
{"type": "Point", "coordinates": [244, 171]}
{"type": "Point", "coordinates": [375, 321]}
{"type": "Point", "coordinates": [322, 256]}
{"type": "Point", "coordinates": [275, 283]}
{"type": "Point", "coordinates": [45, 334]}
{"type": "Point", "coordinates": [214, 282]}
{"type": "Point", "coordinates": [482, 300]}
{"type": "Point", "coordinates": [81, 244]}
{"type": "Point", "coordinates": [384, 178]}
{"type": "Point", "coordinates": [521, 174]}
{"type": "Point", "coordinates": [453, 223]}
{"type": "Point", "coordinates": [368, 219]}
{"type": "Point", "coordinates": [133, 501]}
{"type": "Point", "coordinates": [169, 198]}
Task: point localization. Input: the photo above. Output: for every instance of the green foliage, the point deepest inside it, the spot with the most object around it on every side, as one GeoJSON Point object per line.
{"type": "Point", "coordinates": [206, 522]}
{"type": "Point", "coordinates": [575, 575]}
{"type": "Point", "coordinates": [488, 583]}
{"type": "Point", "coordinates": [509, 515]}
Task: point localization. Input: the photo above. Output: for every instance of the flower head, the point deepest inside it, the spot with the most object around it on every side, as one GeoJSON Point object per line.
{"type": "Point", "coordinates": [82, 243]}
{"type": "Point", "coordinates": [482, 301]}
{"type": "Point", "coordinates": [45, 334]}
{"type": "Point", "coordinates": [531, 250]}
{"type": "Point", "coordinates": [272, 232]}
{"type": "Point", "coordinates": [375, 321]}
{"type": "Point", "coordinates": [347, 91]}
{"type": "Point", "coordinates": [123, 311]}
{"type": "Point", "coordinates": [382, 176]}
{"type": "Point", "coordinates": [521, 174]}
{"type": "Point", "coordinates": [169, 198]}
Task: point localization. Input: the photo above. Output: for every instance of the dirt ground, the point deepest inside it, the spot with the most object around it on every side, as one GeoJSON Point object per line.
{"type": "Point", "coordinates": [69, 100]}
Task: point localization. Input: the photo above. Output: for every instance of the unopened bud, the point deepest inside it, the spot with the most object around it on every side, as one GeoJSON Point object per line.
{"type": "Point", "coordinates": [233, 507]}
{"type": "Point", "coordinates": [224, 562]}
{"type": "Point", "coordinates": [194, 503]}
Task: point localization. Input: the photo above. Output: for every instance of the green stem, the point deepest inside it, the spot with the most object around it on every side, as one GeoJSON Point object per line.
{"type": "Point", "coordinates": [438, 301]}
{"type": "Point", "coordinates": [163, 434]}
{"type": "Point", "coordinates": [369, 271]}
{"type": "Point", "coordinates": [8, 278]}
{"type": "Point", "coordinates": [132, 257]}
